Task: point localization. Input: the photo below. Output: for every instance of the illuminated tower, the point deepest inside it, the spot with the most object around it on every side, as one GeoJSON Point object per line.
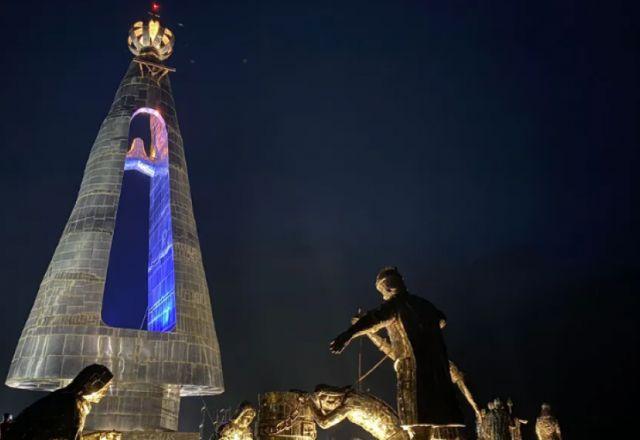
{"type": "Point", "coordinates": [176, 353]}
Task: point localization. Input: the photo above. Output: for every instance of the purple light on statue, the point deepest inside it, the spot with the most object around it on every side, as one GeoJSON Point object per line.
{"type": "Point", "coordinates": [161, 295]}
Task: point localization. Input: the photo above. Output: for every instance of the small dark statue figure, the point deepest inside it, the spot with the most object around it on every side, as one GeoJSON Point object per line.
{"type": "Point", "coordinates": [61, 414]}
{"type": "Point", "coordinates": [426, 396]}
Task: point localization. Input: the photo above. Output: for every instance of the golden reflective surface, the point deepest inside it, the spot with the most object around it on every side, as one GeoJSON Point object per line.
{"type": "Point", "coordinates": [240, 427]}
{"type": "Point", "coordinates": [151, 39]}
{"type": "Point", "coordinates": [547, 426]}
{"type": "Point", "coordinates": [331, 406]}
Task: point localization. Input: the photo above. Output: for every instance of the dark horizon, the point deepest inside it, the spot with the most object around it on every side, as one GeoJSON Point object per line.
{"type": "Point", "coordinates": [488, 151]}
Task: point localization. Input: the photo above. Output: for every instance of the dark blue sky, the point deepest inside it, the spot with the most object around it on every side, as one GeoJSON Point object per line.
{"type": "Point", "coordinates": [486, 148]}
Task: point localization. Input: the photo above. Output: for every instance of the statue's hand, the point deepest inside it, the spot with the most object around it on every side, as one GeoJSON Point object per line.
{"type": "Point", "coordinates": [338, 344]}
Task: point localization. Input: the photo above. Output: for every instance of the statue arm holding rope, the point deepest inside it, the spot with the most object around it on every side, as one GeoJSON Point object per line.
{"type": "Point", "coordinates": [382, 343]}
{"type": "Point", "coordinates": [370, 323]}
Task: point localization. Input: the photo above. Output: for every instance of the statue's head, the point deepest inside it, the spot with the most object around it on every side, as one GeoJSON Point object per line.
{"type": "Point", "coordinates": [389, 282]}
{"type": "Point", "coordinates": [245, 415]}
{"type": "Point", "coordinates": [92, 383]}
{"type": "Point", "coordinates": [328, 397]}
{"type": "Point", "coordinates": [545, 409]}
{"type": "Point", "coordinates": [491, 406]}
{"type": "Point", "coordinates": [497, 403]}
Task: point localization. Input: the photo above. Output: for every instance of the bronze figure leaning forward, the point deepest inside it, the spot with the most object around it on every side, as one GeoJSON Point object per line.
{"type": "Point", "coordinates": [61, 414]}
{"type": "Point", "coordinates": [425, 392]}
{"type": "Point", "coordinates": [331, 405]}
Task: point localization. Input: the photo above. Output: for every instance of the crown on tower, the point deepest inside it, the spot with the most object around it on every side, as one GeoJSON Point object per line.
{"type": "Point", "coordinates": [150, 38]}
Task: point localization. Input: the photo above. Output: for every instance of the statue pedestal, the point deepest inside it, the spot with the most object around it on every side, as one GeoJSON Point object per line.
{"type": "Point", "coordinates": [154, 435]}
{"type": "Point", "coordinates": [143, 435]}
{"type": "Point", "coordinates": [437, 433]}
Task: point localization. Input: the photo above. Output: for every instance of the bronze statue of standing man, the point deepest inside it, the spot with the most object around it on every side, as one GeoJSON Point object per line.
{"type": "Point", "coordinates": [425, 393]}
{"type": "Point", "coordinates": [547, 426]}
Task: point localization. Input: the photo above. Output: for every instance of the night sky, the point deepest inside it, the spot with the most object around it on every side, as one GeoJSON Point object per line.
{"type": "Point", "coordinates": [488, 149]}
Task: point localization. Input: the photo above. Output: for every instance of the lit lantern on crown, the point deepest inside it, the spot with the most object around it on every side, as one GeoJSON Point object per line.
{"type": "Point", "coordinates": [151, 39]}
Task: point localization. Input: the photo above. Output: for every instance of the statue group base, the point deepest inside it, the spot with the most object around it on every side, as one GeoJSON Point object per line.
{"type": "Point", "coordinates": [156, 435]}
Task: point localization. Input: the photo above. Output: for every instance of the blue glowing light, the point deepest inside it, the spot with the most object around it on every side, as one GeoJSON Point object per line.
{"type": "Point", "coordinates": [143, 219]}
{"type": "Point", "coordinates": [161, 314]}
{"type": "Point", "coordinates": [161, 295]}
{"type": "Point", "coordinates": [139, 165]}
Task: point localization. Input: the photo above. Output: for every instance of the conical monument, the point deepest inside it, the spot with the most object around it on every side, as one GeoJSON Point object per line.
{"type": "Point", "coordinates": [177, 354]}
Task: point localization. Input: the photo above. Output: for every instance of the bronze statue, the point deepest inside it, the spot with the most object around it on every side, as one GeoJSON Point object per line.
{"type": "Point", "coordinates": [496, 422]}
{"type": "Point", "coordinates": [239, 427]}
{"type": "Point", "coordinates": [488, 420]}
{"type": "Point", "coordinates": [425, 392]}
{"type": "Point", "coordinates": [445, 433]}
{"type": "Point", "coordinates": [481, 425]}
{"type": "Point", "coordinates": [516, 423]}
{"type": "Point", "coordinates": [457, 377]}
{"type": "Point", "coordinates": [61, 414]}
{"type": "Point", "coordinates": [331, 405]}
{"type": "Point", "coordinates": [285, 415]}
{"type": "Point", "coordinates": [547, 426]}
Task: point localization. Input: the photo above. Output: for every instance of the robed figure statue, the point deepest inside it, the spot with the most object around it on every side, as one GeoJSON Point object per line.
{"type": "Point", "coordinates": [425, 392]}
{"type": "Point", "coordinates": [61, 414]}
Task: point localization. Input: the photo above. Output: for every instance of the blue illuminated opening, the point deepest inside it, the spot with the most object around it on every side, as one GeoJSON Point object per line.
{"type": "Point", "coordinates": [125, 298]}
{"type": "Point", "coordinates": [150, 161]}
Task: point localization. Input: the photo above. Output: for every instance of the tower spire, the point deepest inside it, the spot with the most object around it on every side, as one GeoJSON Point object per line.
{"type": "Point", "coordinates": [151, 40]}
{"type": "Point", "coordinates": [151, 43]}
{"type": "Point", "coordinates": [177, 354]}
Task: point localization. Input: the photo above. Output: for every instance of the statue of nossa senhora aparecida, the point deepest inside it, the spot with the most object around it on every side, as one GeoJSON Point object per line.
{"type": "Point", "coordinates": [61, 414]}
{"type": "Point", "coordinates": [425, 392]}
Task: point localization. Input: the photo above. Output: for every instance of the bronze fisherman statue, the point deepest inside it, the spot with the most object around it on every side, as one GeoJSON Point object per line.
{"type": "Point", "coordinates": [425, 392]}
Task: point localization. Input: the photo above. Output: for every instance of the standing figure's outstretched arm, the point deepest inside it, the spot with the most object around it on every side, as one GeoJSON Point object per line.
{"type": "Point", "coordinates": [383, 344]}
{"type": "Point", "coordinates": [370, 322]}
